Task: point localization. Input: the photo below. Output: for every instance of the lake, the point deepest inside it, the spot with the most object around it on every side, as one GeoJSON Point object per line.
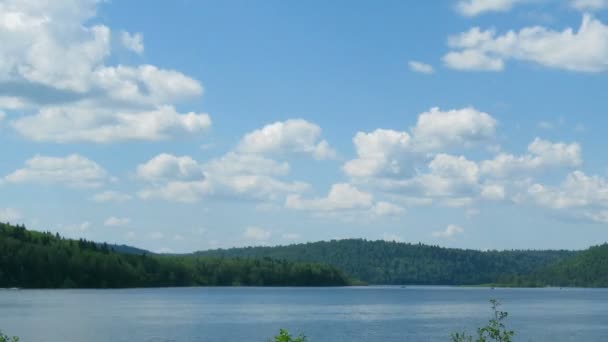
{"type": "Point", "coordinates": [383, 314]}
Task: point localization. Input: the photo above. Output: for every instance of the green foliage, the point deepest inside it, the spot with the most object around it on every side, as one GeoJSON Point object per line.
{"type": "Point", "coordinates": [494, 331]}
{"type": "Point", "coordinates": [588, 269]}
{"type": "Point", "coordinates": [284, 336]}
{"type": "Point", "coordinates": [30, 259]}
{"type": "Point", "coordinates": [385, 262]}
{"type": "Point", "coordinates": [6, 338]}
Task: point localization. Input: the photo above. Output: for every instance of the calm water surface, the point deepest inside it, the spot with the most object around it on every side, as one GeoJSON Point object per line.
{"type": "Point", "coordinates": [382, 314]}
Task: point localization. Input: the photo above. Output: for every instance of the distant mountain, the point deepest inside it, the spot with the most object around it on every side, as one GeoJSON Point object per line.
{"type": "Point", "coordinates": [30, 259]}
{"type": "Point", "coordinates": [383, 262]}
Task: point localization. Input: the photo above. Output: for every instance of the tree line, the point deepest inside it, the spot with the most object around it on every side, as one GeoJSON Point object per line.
{"type": "Point", "coordinates": [389, 262]}
{"type": "Point", "coordinates": [30, 259]}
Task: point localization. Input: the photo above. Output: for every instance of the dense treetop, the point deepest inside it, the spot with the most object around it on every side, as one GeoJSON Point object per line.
{"type": "Point", "coordinates": [384, 262]}
{"type": "Point", "coordinates": [32, 259]}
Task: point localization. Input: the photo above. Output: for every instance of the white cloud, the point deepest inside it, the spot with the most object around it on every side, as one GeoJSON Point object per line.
{"type": "Point", "coordinates": [390, 153]}
{"type": "Point", "coordinates": [379, 152]}
{"type": "Point", "coordinates": [437, 129]}
{"type": "Point", "coordinates": [589, 5]}
{"type": "Point", "coordinates": [73, 123]}
{"type": "Point", "coordinates": [471, 8]}
{"type": "Point", "coordinates": [291, 136]}
{"type": "Point", "coordinates": [133, 42]}
{"type": "Point", "coordinates": [448, 176]}
{"type": "Point", "coordinates": [256, 234]}
{"type": "Point", "coordinates": [116, 221]}
{"type": "Point", "coordinates": [449, 232]}
{"type": "Point", "coordinates": [472, 60]}
{"type": "Point", "coordinates": [176, 191]}
{"type": "Point", "coordinates": [53, 63]}
{"type": "Point", "coordinates": [111, 196]}
{"type": "Point", "coordinates": [340, 197]}
{"type": "Point", "coordinates": [387, 209]}
{"type": "Point", "coordinates": [577, 191]}
{"type": "Point", "coordinates": [493, 192]}
{"type": "Point", "coordinates": [235, 163]}
{"type": "Point", "coordinates": [585, 50]}
{"type": "Point", "coordinates": [10, 215]}
{"type": "Point", "coordinates": [580, 196]}
{"type": "Point", "coordinates": [234, 175]}
{"type": "Point", "coordinates": [456, 202]}
{"type": "Point", "coordinates": [73, 170]}
{"type": "Point", "coordinates": [166, 166]}
{"type": "Point", "coordinates": [2, 116]}
{"type": "Point", "coordinates": [542, 154]}
{"type": "Point", "coordinates": [421, 67]}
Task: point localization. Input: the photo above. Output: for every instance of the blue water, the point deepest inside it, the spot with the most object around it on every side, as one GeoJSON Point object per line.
{"type": "Point", "coordinates": [382, 314]}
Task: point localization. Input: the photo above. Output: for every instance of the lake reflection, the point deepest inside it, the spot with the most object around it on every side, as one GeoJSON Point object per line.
{"type": "Point", "coordinates": [383, 314]}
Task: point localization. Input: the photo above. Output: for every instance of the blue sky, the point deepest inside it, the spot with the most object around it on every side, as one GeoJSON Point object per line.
{"type": "Point", "coordinates": [200, 124]}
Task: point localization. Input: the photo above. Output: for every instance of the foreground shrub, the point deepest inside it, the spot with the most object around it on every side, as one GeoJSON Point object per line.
{"type": "Point", "coordinates": [494, 331]}
{"type": "Point", "coordinates": [6, 338]}
{"type": "Point", "coordinates": [284, 336]}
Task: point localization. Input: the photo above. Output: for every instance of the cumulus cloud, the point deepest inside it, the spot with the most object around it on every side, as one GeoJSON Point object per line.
{"type": "Point", "coordinates": [387, 209]}
{"type": "Point", "coordinates": [577, 191]}
{"type": "Point", "coordinates": [66, 124]}
{"type": "Point", "coordinates": [343, 197]}
{"type": "Point", "coordinates": [54, 68]}
{"type": "Point", "coordinates": [73, 171]}
{"type": "Point", "coordinates": [437, 129]}
{"type": "Point", "coordinates": [291, 136]}
{"type": "Point", "coordinates": [579, 195]}
{"type": "Point", "coordinates": [471, 8]}
{"type": "Point", "coordinates": [166, 166]}
{"type": "Point", "coordinates": [386, 152]}
{"type": "Point", "coordinates": [133, 42]}
{"type": "Point", "coordinates": [340, 197]}
{"type": "Point", "coordinates": [589, 5]}
{"type": "Point", "coordinates": [379, 152]}
{"type": "Point", "coordinates": [421, 67]}
{"type": "Point", "coordinates": [114, 221]}
{"type": "Point", "coordinates": [584, 50]}
{"type": "Point", "coordinates": [472, 60]}
{"type": "Point", "coordinates": [234, 175]}
{"type": "Point", "coordinates": [450, 231]}
{"type": "Point", "coordinates": [447, 176]}
{"type": "Point", "coordinates": [542, 154]}
{"type": "Point", "coordinates": [493, 192]}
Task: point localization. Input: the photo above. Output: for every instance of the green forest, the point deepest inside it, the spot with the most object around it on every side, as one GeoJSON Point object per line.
{"type": "Point", "coordinates": [30, 259]}
{"type": "Point", "coordinates": [384, 262]}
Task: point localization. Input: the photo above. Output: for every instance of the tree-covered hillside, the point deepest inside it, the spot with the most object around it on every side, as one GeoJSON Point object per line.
{"type": "Point", "coordinates": [587, 269]}
{"type": "Point", "coordinates": [383, 262]}
{"type": "Point", "coordinates": [30, 259]}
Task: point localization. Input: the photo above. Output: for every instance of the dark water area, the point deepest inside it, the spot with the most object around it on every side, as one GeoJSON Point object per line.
{"type": "Point", "coordinates": [383, 314]}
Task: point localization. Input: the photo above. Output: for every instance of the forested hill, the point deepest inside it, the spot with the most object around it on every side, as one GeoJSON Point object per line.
{"type": "Point", "coordinates": [30, 259]}
{"type": "Point", "coordinates": [383, 262]}
{"type": "Point", "coordinates": [587, 269]}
